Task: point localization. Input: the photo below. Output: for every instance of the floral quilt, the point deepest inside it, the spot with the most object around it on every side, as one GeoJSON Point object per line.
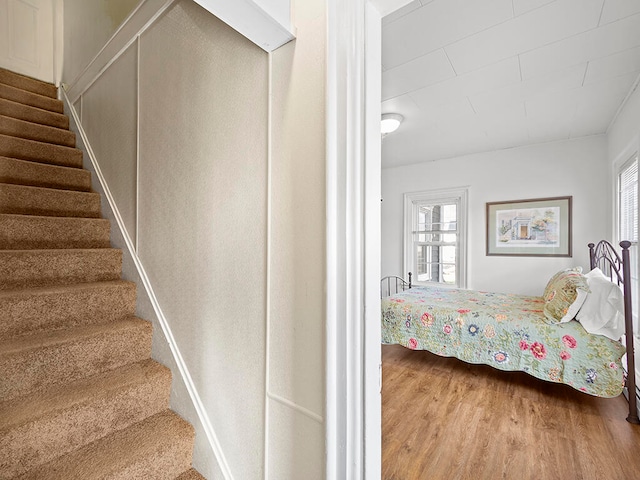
{"type": "Point", "coordinates": [506, 331]}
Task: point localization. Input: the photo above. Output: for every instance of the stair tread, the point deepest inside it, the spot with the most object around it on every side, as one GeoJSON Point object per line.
{"type": "Point", "coordinates": [39, 268]}
{"type": "Point", "coordinates": [29, 407]}
{"type": "Point", "coordinates": [53, 219]}
{"type": "Point", "coordinates": [36, 151]}
{"type": "Point", "coordinates": [44, 201]}
{"type": "Point", "coordinates": [191, 474]}
{"type": "Point", "coordinates": [30, 84]}
{"type": "Point", "coordinates": [47, 339]}
{"type": "Point", "coordinates": [60, 289]}
{"type": "Point", "coordinates": [26, 232]}
{"type": "Point", "coordinates": [16, 171]}
{"type": "Point", "coordinates": [33, 114]}
{"type": "Point", "coordinates": [32, 363]}
{"type": "Point", "coordinates": [52, 190]}
{"type": "Point", "coordinates": [30, 98]}
{"type": "Point", "coordinates": [25, 311]}
{"type": "Point", "coordinates": [35, 131]}
{"type": "Point", "coordinates": [114, 455]}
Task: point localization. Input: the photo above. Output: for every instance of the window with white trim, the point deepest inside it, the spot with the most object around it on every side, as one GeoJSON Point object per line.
{"type": "Point", "coordinates": [628, 222]}
{"type": "Point", "coordinates": [435, 237]}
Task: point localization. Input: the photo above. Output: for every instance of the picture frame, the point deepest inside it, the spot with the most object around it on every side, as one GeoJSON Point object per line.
{"type": "Point", "coordinates": [537, 227]}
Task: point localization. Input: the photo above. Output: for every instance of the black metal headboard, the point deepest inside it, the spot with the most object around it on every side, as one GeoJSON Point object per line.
{"type": "Point", "coordinates": [393, 284]}
{"type": "Point", "coordinates": [618, 269]}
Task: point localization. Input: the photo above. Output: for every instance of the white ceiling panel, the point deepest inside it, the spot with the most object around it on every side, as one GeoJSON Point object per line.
{"type": "Point", "coordinates": [405, 104]}
{"type": "Point", "coordinates": [491, 77]}
{"type": "Point", "coordinates": [437, 24]}
{"type": "Point", "coordinates": [613, 66]}
{"type": "Point", "coordinates": [523, 6]}
{"type": "Point", "coordinates": [426, 70]}
{"type": "Point", "coordinates": [513, 73]}
{"type": "Point", "coordinates": [616, 9]}
{"type": "Point", "coordinates": [506, 127]}
{"type": "Point", "coordinates": [598, 103]}
{"type": "Point", "coordinates": [539, 27]}
{"type": "Point", "coordinates": [560, 81]}
{"type": "Point", "coordinates": [597, 43]}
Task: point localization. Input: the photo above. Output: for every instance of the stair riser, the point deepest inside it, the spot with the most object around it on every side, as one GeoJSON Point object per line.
{"type": "Point", "coordinates": [25, 200]}
{"type": "Point", "coordinates": [25, 232]}
{"type": "Point", "coordinates": [55, 308]}
{"type": "Point", "coordinates": [32, 99]}
{"type": "Point", "coordinates": [159, 447]}
{"type": "Point", "coordinates": [26, 83]}
{"type": "Point", "coordinates": [37, 368]}
{"type": "Point", "coordinates": [33, 131]}
{"type": "Point", "coordinates": [40, 152]}
{"type": "Point", "coordinates": [41, 268]}
{"type": "Point", "coordinates": [165, 464]}
{"type": "Point", "coordinates": [24, 172]}
{"type": "Point", "coordinates": [32, 114]}
{"type": "Point", "coordinates": [34, 444]}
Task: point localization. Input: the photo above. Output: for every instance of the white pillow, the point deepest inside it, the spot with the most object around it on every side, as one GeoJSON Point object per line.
{"type": "Point", "coordinates": [602, 312]}
{"type": "Point", "coordinates": [581, 297]}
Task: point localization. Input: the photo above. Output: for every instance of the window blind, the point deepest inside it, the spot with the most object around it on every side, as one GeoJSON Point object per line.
{"type": "Point", "coordinates": [628, 185]}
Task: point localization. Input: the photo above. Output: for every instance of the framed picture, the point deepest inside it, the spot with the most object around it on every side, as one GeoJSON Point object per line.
{"type": "Point", "coordinates": [539, 227]}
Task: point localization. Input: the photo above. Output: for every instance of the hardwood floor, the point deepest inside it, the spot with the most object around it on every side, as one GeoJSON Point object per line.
{"type": "Point", "coordinates": [445, 419]}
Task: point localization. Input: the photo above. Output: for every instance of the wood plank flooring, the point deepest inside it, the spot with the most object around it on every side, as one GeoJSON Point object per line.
{"type": "Point", "coordinates": [444, 419]}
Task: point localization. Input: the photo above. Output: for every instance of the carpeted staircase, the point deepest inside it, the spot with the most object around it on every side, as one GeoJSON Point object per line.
{"type": "Point", "coordinates": [80, 396]}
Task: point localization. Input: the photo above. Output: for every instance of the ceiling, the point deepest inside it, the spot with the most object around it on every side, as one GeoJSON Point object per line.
{"type": "Point", "coordinates": [473, 76]}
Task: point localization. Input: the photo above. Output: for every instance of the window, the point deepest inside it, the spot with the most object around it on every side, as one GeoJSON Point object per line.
{"type": "Point", "coordinates": [628, 222]}
{"type": "Point", "coordinates": [435, 236]}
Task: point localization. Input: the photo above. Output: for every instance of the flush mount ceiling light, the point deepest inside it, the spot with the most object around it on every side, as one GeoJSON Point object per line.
{"type": "Point", "coordinates": [390, 122]}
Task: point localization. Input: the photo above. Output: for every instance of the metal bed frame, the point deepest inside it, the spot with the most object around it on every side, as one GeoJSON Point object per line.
{"type": "Point", "coordinates": [392, 284]}
{"type": "Point", "coordinates": [604, 256]}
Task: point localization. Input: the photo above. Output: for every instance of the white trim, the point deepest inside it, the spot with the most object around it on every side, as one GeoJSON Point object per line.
{"type": "Point", "coordinates": [353, 243]}
{"type": "Point", "coordinates": [372, 245]}
{"type": "Point", "coordinates": [140, 20]}
{"type": "Point", "coordinates": [459, 195]}
{"type": "Point", "coordinates": [632, 148]}
{"type": "Point", "coordinates": [166, 330]}
{"type": "Point", "coordinates": [267, 349]}
{"type": "Point", "coordinates": [298, 408]}
{"type": "Point", "coordinates": [633, 88]}
{"type": "Point", "coordinates": [251, 20]}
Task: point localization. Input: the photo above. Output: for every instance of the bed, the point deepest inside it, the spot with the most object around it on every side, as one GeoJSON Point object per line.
{"type": "Point", "coordinates": [537, 335]}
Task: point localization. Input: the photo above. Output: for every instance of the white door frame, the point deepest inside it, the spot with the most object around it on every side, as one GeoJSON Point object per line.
{"type": "Point", "coordinates": [353, 355]}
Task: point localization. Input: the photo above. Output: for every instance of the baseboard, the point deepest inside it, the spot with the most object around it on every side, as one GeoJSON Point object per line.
{"type": "Point", "coordinates": [134, 270]}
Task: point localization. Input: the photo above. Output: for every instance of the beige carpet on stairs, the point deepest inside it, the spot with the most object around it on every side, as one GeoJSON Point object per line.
{"type": "Point", "coordinates": [80, 396]}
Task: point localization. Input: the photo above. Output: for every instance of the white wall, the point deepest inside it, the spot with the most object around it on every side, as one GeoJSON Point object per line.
{"type": "Point", "coordinates": [577, 167]}
{"type": "Point", "coordinates": [296, 323]}
{"type": "Point", "coordinates": [622, 136]}
{"type": "Point", "coordinates": [88, 24]}
{"type": "Point", "coordinates": [227, 222]}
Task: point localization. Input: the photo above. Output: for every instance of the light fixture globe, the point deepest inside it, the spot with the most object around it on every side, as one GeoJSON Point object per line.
{"type": "Point", "coordinates": [390, 122]}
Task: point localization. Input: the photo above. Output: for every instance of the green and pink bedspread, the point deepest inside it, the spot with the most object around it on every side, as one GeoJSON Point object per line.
{"type": "Point", "coordinates": [506, 331]}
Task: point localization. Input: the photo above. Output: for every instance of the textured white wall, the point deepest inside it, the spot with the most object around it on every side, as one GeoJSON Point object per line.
{"type": "Point", "coordinates": [88, 24]}
{"type": "Point", "coordinates": [109, 116]}
{"type": "Point", "coordinates": [297, 260]}
{"type": "Point", "coordinates": [202, 213]}
{"type": "Point", "coordinates": [192, 186]}
{"type": "Point", "coordinates": [578, 168]}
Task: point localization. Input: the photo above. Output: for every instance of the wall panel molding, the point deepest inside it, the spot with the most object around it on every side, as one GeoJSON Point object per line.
{"type": "Point", "coordinates": [110, 211]}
